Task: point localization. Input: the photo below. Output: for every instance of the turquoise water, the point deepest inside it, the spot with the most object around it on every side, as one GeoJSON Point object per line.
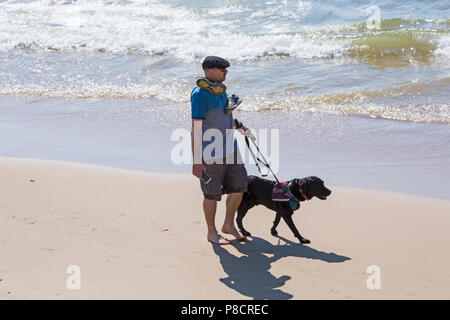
{"type": "Point", "coordinates": [315, 56]}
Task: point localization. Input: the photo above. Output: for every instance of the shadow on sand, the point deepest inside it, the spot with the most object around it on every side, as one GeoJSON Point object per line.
{"type": "Point", "coordinates": [249, 274]}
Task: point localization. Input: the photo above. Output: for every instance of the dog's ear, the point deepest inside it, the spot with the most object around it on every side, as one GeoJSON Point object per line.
{"type": "Point", "coordinates": [295, 186]}
{"type": "Point", "coordinates": [303, 187]}
{"type": "Point", "coordinates": [303, 184]}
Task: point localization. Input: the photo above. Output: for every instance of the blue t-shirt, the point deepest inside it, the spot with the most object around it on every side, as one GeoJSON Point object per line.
{"type": "Point", "coordinates": [211, 109]}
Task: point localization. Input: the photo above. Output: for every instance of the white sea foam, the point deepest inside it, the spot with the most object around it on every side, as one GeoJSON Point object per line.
{"type": "Point", "coordinates": [167, 42]}
{"type": "Point", "coordinates": [360, 103]}
{"type": "Point", "coordinates": [239, 32]}
{"type": "Point", "coordinates": [150, 26]}
{"type": "Point", "coordinates": [443, 48]}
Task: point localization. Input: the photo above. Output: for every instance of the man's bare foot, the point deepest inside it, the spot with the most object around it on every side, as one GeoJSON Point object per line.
{"type": "Point", "coordinates": [217, 239]}
{"type": "Point", "coordinates": [233, 231]}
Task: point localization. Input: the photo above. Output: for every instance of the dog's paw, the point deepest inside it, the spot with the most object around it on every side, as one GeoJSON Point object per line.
{"type": "Point", "coordinates": [304, 241]}
{"type": "Point", "coordinates": [246, 233]}
{"type": "Point", "coordinates": [273, 232]}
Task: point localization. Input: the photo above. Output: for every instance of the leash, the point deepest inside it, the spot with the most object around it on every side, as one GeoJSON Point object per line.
{"type": "Point", "coordinates": [248, 134]}
{"type": "Point", "coordinates": [264, 162]}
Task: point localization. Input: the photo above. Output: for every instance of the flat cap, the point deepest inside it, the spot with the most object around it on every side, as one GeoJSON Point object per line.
{"type": "Point", "coordinates": [214, 62]}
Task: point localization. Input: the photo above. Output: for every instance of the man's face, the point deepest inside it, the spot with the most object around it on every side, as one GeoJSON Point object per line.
{"type": "Point", "coordinates": [216, 74]}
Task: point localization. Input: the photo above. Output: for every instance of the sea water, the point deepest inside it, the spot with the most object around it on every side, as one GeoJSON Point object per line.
{"type": "Point", "coordinates": [359, 90]}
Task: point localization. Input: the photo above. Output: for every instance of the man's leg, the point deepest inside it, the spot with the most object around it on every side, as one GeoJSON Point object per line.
{"type": "Point", "coordinates": [209, 208]}
{"type": "Point", "coordinates": [232, 204]}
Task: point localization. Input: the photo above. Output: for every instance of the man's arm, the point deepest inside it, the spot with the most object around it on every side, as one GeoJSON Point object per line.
{"type": "Point", "coordinates": [196, 145]}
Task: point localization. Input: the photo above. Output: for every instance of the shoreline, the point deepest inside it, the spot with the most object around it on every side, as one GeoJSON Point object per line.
{"type": "Point", "coordinates": [134, 134]}
{"type": "Point", "coordinates": [141, 235]}
{"type": "Point", "coordinates": [136, 172]}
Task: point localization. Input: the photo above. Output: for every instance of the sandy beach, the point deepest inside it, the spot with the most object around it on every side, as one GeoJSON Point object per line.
{"type": "Point", "coordinates": [137, 235]}
{"type": "Point", "coordinates": [97, 199]}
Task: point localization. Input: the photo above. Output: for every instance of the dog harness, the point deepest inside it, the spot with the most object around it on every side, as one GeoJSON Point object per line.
{"type": "Point", "coordinates": [281, 192]}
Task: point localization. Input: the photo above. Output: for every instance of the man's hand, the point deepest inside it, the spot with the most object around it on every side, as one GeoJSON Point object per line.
{"type": "Point", "coordinates": [239, 125]}
{"type": "Point", "coordinates": [197, 170]}
{"type": "Point", "coordinates": [243, 129]}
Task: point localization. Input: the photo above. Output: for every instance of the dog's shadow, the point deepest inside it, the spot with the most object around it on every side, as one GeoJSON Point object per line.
{"type": "Point", "coordinates": [249, 274]}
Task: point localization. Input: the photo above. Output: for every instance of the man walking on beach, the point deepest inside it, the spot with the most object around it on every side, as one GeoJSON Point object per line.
{"type": "Point", "coordinates": [215, 150]}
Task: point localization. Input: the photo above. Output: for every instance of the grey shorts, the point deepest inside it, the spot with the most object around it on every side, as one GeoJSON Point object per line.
{"type": "Point", "coordinates": [225, 178]}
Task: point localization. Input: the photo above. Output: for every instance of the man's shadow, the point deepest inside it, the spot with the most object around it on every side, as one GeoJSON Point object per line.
{"type": "Point", "coordinates": [249, 275]}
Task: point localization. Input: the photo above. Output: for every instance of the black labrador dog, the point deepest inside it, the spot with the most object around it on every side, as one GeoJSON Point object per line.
{"type": "Point", "coordinates": [260, 192]}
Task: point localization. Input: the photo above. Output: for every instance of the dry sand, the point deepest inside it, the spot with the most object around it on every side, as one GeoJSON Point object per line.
{"type": "Point", "coordinates": [139, 235]}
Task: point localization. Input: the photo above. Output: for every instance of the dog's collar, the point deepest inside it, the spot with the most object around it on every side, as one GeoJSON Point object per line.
{"type": "Point", "coordinates": [291, 195]}
{"type": "Point", "coordinates": [304, 196]}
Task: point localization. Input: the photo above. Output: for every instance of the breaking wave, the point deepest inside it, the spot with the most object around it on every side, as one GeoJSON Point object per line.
{"type": "Point", "coordinates": [188, 35]}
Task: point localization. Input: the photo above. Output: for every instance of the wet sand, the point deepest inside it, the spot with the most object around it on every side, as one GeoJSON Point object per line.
{"type": "Point", "coordinates": [348, 151]}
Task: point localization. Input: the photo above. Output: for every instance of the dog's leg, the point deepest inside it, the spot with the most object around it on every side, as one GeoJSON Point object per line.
{"type": "Point", "coordinates": [241, 212]}
{"type": "Point", "coordinates": [287, 216]}
{"type": "Point", "coordinates": [273, 231]}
